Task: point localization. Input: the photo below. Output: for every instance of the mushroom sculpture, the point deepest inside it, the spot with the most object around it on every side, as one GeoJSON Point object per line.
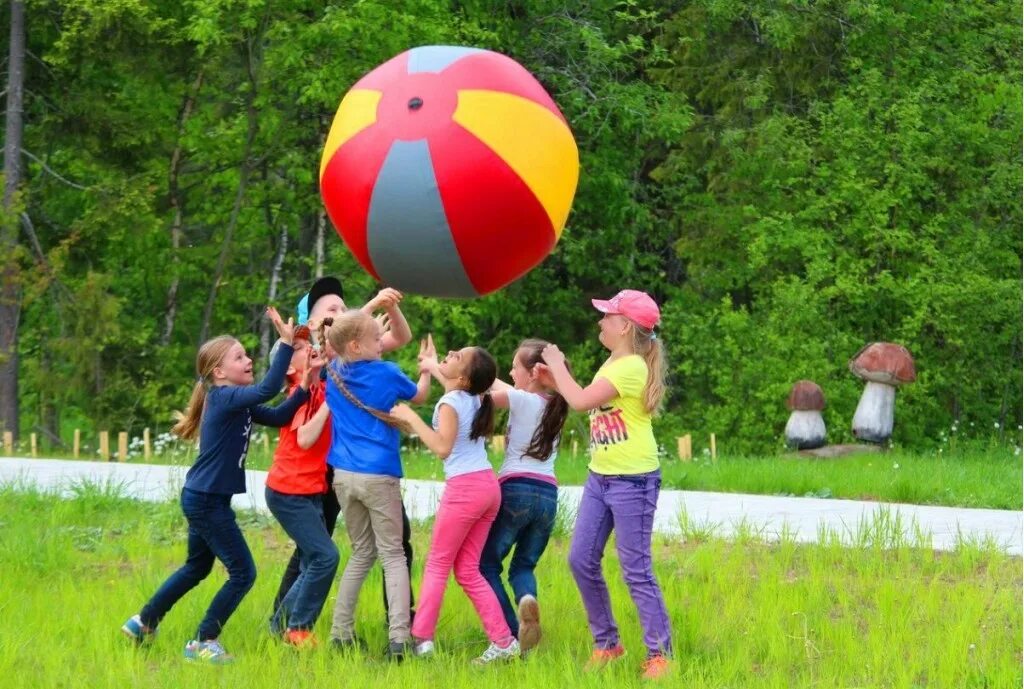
{"type": "Point", "coordinates": [805, 429]}
{"type": "Point", "coordinates": [884, 367]}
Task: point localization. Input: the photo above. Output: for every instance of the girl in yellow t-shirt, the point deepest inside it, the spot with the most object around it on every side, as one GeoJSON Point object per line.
{"type": "Point", "coordinates": [621, 492]}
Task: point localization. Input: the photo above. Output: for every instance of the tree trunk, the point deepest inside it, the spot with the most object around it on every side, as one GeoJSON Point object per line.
{"type": "Point", "coordinates": [174, 193]}
{"type": "Point", "coordinates": [275, 279]}
{"type": "Point", "coordinates": [10, 273]}
{"type": "Point", "coordinates": [321, 226]}
{"type": "Point", "coordinates": [243, 179]}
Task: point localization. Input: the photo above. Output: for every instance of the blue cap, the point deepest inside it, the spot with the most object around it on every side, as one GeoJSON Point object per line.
{"type": "Point", "coordinates": [302, 310]}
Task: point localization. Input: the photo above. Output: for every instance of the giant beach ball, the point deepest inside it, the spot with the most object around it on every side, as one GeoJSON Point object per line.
{"type": "Point", "coordinates": [449, 171]}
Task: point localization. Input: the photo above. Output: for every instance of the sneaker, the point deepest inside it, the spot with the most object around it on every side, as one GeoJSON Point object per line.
{"type": "Point", "coordinates": [352, 645]}
{"type": "Point", "coordinates": [397, 650]}
{"type": "Point", "coordinates": [208, 652]}
{"type": "Point", "coordinates": [602, 656]}
{"type": "Point", "coordinates": [656, 667]}
{"type": "Point", "coordinates": [495, 653]}
{"type": "Point", "coordinates": [300, 638]}
{"type": "Point", "coordinates": [529, 623]}
{"type": "Point", "coordinates": [422, 648]}
{"type": "Point", "coordinates": [138, 632]}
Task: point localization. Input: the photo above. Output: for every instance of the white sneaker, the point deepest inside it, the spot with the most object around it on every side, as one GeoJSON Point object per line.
{"type": "Point", "coordinates": [495, 652]}
{"type": "Point", "coordinates": [423, 649]}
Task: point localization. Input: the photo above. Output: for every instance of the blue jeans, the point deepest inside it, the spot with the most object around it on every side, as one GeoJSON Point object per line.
{"type": "Point", "coordinates": [302, 518]}
{"type": "Point", "coordinates": [525, 520]}
{"type": "Point", "coordinates": [213, 533]}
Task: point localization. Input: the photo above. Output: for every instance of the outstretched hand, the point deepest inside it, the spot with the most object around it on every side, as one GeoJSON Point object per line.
{"type": "Point", "coordinates": [308, 376]}
{"type": "Point", "coordinates": [427, 356]}
{"type": "Point", "coordinates": [403, 412]}
{"type": "Point", "coordinates": [387, 298]}
{"type": "Point", "coordinates": [286, 331]}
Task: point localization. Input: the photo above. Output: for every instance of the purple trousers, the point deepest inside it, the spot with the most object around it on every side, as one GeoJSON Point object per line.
{"type": "Point", "coordinates": [626, 504]}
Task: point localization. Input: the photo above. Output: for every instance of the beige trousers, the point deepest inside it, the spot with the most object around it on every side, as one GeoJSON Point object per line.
{"type": "Point", "coordinates": [372, 507]}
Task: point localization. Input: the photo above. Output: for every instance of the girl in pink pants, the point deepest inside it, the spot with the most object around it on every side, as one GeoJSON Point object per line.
{"type": "Point", "coordinates": [463, 418]}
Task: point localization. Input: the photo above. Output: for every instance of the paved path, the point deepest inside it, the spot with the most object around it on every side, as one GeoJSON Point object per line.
{"type": "Point", "coordinates": [805, 519]}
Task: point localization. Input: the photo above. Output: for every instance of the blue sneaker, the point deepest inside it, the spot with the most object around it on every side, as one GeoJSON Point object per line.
{"type": "Point", "coordinates": [207, 652]}
{"type": "Point", "coordinates": [136, 631]}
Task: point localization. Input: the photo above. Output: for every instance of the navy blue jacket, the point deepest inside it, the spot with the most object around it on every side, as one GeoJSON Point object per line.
{"type": "Point", "coordinates": [227, 422]}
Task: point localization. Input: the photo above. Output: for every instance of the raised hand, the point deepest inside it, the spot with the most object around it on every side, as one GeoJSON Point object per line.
{"type": "Point", "coordinates": [286, 331]}
{"type": "Point", "coordinates": [552, 356]}
{"type": "Point", "coordinates": [384, 321]}
{"type": "Point", "coordinates": [387, 298]}
{"type": "Point", "coordinates": [427, 356]}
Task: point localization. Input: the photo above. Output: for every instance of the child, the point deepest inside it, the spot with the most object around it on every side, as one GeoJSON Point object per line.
{"type": "Point", "coordinates": [463, 417]}
{"type": "Point", "coordinates": [325, 300]}
{"type": "Point", "coordinates": [622, 490]}
{"type": "Point", "coordinates": [294, 494]}
{"type": "Point", "coordinates": [222, 409]}
{"type": "Point", "coordinates": [529, 489]}
{"type": "Point", "coordinates": [364, 453]}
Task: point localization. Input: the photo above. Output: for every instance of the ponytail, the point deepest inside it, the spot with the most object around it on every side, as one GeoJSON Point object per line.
{"type": "Point", "coordinates": [187, 425]}
{"type": "Point", "coordinates": [647, 345]}
{"type": "Point", "coordinates": [344, 329]}
{"type": "Point", "coordinates": [482, 371]}
{"type": "Point", "coordinates": [549, 430]}
{"type": "Point", "coordinates": [483, 420]}
{"type": "Point", "coordinates": [210, 354]}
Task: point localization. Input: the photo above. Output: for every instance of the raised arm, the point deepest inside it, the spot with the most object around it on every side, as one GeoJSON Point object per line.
{"type": "Point", "coordinates": [439, 441]}
{"type": "Point", "coordinates": [499, 393]}
{"type": "Point", "coordinates": [398, 332]}
{"type": "Point", "coordinates": [239, 396]}
{"type": "Point", "coordinates": [600, 392]}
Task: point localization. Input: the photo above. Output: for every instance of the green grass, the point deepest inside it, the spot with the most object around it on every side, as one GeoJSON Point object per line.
{"type": "Point", "coordinates": [744, 614]}
{"type": "Point", "coordinates": [985, 477]}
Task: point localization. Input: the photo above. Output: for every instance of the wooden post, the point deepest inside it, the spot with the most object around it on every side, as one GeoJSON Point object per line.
{"type": "Point", "coordinates": [32, 443]}
{"type": "Point", "coordinates": [8, 443]}
{"type": "Point", "coordinates": [714, 452]}
{"type": "Point", "coordinates": [146, 449]}
{"type": "Point", "coordinates": [685, 444]}
{"type": "Point", "coordinates": [77, 444]}
{"type": "Point", "coordinates": [105, 446]}
{"type": "Point", "coordinates": [122, 446]}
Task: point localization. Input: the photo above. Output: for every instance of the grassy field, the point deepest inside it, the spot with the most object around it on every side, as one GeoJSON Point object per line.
{"type": "Point", "coordinates": [962, 477]}
{"type": "Point", "coordinates": [744, 614]}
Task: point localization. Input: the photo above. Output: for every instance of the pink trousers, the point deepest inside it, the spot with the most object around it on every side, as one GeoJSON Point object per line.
{"type": "Point", "coordinates": [468, 507]}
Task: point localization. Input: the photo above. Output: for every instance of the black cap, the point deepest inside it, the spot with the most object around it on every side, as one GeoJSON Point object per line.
{"type": "Point", "coordinates": [323, 287]}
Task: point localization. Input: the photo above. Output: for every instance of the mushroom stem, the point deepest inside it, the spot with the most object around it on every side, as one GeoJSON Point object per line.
{"type": "Point", "coordinates": [805, 430]}
{"type": "Point", "coordinates": [872, 422]}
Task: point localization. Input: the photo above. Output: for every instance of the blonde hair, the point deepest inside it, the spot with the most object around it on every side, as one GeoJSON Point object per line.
{"type": "Point", "coordinates": [211, 353]}
{"type": "Point", "coordinates": [649, 347]}
{"type": "Point", "coordinates": [339, 332]}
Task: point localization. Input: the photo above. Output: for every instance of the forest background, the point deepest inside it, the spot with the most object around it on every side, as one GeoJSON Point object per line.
{"type": "Point", "coordinates": [790, 179]}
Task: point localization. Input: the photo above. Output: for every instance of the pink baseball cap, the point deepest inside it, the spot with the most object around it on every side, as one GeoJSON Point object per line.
{"type": "Point", "coordinates": [635, 305]}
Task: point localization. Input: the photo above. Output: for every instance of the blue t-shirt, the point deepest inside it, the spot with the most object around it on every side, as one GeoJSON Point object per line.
{"type": "Point", "coordinates": [227, 421]}
{"type": "Point", "coordinates": [360, 442]}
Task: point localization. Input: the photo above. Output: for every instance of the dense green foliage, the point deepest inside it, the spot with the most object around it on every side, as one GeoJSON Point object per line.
{"type": "Point", "coordinates": [792, 179]}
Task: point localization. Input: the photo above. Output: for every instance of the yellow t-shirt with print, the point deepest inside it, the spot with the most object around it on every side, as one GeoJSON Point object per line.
{"type": "Point", "coordinates": [621, 437]}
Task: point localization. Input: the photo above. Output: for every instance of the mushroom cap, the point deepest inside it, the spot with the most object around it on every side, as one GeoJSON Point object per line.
{"type": "Point", "coordinates": [884, 362]}
{"type": "Point", "coordinates": [806, 396]}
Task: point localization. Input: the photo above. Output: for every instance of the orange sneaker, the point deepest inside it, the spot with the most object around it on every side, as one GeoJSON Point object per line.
{"type": "Point", "coordinates": [656, 667]}
{"type": "Point", "coordinates": [602, 656]}
{"type": "Point", "coordinates": [300, 638]}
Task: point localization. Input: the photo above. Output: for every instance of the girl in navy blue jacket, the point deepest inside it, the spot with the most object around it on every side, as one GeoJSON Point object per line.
{"type": "Point", "coordinates": [223, 407]}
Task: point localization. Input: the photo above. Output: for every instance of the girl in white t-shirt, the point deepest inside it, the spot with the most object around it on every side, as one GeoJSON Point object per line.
{"type": "Point", "coordinates": [529, 489]}
{"type": "Point", "coordinates": [463, 418]}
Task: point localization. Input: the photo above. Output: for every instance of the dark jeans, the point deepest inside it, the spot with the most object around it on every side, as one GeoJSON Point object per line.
{"type": "Point", "coordinates": [213, 533]}
{"type": "Point", "coordinates": [331, 511]}
{"type": "Point", "coordinates": [525, 520]}
{"type": "Point", "coordinates": [302, 518]}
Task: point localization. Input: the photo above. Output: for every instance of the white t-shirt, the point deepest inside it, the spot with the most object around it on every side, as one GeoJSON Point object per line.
{"type": "Point", "coordinates": [525, 410]}
{"type": "Point", "coordinates": [467, 455]}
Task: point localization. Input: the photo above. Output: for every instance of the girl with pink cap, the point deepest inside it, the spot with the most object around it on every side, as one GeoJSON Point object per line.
{"type": "Point", "coordinates": [621, 492]}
